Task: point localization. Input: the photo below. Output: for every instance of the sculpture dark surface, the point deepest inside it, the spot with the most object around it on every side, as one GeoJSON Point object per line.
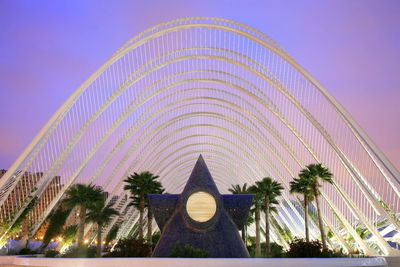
{"type": "Point", "coordinates": [201, 217]}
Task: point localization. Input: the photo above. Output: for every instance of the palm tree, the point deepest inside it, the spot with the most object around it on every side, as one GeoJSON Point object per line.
{"type": "Point", "coordinates": [269, 190]}
{"type": "Point", "coordinates": [257, 201]}
{"type": "Point", "coordinates": [157, 189]}
{"type": "Point", "coordinates": [112, 234]}
{"type": "Point", "coordinates": [141, 184]}
{"type": "Point", "coordinates": [68, 235]}
{"type": "Point", "coordinates": [303, 186]}
{"type": "Point", "coordinates": [314, 173]}
{"type": "Point", "coordinates": [238, 190]}
{"type": "Point", "coordinates": [101, 215]}
{"type": "Point", "coordinates": [154, 188]}
{"type": "Point", "coordinates": [55, 225]}
{"type": "Point", "coordinates": [83, 196]}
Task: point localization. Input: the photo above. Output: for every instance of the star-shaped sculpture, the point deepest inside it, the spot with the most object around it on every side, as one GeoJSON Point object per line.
{"type": "Point", "coordinates": [201, 217]}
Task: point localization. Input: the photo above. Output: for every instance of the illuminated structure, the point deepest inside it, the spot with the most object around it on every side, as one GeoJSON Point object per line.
{"type": "Point", "coordinates": [229, 92]}
{"type": "Point", "coordinates": [23, 189]}
{"type": "Point", "coordinates": [201, 217]}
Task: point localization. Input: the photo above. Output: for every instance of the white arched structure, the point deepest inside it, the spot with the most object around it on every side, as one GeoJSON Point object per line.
{"type": "Point", "coordinates": [229, 92]}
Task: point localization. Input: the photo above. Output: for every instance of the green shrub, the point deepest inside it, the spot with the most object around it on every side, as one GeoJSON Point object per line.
{"type": "Point", "coordinates": [69, 234]}
{"type": "Point", "coordinates": [187, 251]}
{"type": "Point", "coordinates": [56, 222]}
{"type": "Point", "coordinates": [276, 251]}
{"type": "Point", "coordinates": [51, 253]}
{"type": "Point", "coordinates": [130, 247]}
{"type": "Point", "coordinates": [112, 234]}
{"type": "Point", "coordinates": [155, 237]}
{"type": "Point", "coordinates": [80, 252]}
{"type": "Point", "coordinates": [300, 248]}
{"type": "Point", "coordinates": [27, 251]}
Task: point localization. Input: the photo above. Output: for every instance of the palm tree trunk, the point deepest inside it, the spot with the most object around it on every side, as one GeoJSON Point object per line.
{"type": "Point", "coordinates": [244, 234]}
{"type": "Point", "coordinates": [257, 218]}
{"type": "Point", "coordinates": [23, 243]}
{"type": "Point", "coordinates": [267, 241]}
{"type": "Point", "coordinates": [321, 225]}
{"type": "Point", "coordinates": [99, 226]}
{"type": "Point", "coordinates": [306, 218]}
{"type": "Point", "coordinates": [149, 229]}
{"type": "Point", "coordinates": [43, 246]}
{"type": "Point", "coordinates": [81, 225]}
{"type": "Point", "coordinates": [141, 211]}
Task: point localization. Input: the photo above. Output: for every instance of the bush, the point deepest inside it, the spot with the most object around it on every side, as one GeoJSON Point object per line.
{"type": "Point", "coordinates": [27, 251]}
{"type": "Point", "coordinates": [130, 247]}
{"type": "Point", "coordinates": [51, 253]}
{"type": "Point", "coordinates": [187, 251]}
{"type": "Point", "coordinates": [276, 251]}
{"type": "Point", "coordinates": [155, 237]}
{"type": "Point", "coordinates": [80, 252]}
{"type": "Point", "coordinates": [112, 234]}
{"type": "Point", "coordinates": [300, 248]}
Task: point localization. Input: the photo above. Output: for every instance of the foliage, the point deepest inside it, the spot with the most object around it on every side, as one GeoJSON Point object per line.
{"type": "Point", "coordinates": [314, 173]}
{"type": "Point", "coordinates": [364, 233]}
{"type": "Point", "coordinates": [276, 250]}
{"type": "Point", "coordinates": [284, 231]}
{"type": "Point", "coordinates": [330, 234]}
{"type": "Point", "coordinates": [80, 252]}
{"type": "Point", "coordinates": [130, 247]}
{"type": "Point", "coordinates": [112, 234]}
{"type": "Point", "coordinates": [303, 186]}
{"type": "Point", "coordinates": [56, 223]}
{"type": "Point", "coordinates": [7, 228]}
{"type": "Point", "coordinates": [187, 251]}
{"type": "Point", "coordinates": [100, 214]}
{"type": "Point", "coordinates": [69, 235]}
{"type": "Point", "coordinates": [4, 226]}
{"type": "Point", "coordinates": [51, 253]}
{"type": "Point", "coordinates": [257, 202]}
{"type": "Point", "coordinates": [237, 189]}
{"type": "Point", "coordinates": [82, 196]}
{"type": "Point", "coordinates": [250, 218]}
{"type": "Point", "coordinates": [251, 240]}
{"type": "Point", "coordinates": [16, 227]}
{"type": "Point", "coordinates": [27, 251]}
{"type": "Point", "coordinates": [266, 192]}
{"type": "Point", "coordinates": [300, 248]}
{"type": "Point", "coordinates": [141, 184]}
{"type": "Point", "coordinates": [155, 237]}
{"type": "Point", "coordinates": [389, 211]}
{"type": "Point", "coordinates": [269, 189]}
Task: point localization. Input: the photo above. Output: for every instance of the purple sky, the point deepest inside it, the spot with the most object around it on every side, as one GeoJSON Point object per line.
{"type": "Point", "coordinates": [48, 48]}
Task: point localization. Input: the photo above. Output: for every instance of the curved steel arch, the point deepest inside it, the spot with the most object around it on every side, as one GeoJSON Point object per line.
{"type": "Point", "coordinates": [189, 114]}
{"type": "Point", "coordinates": [364, 247]}
{"type": "Point", "coordinates": [153, 150]}
{"type": "Point", "coordinates": [92, 154]}
{"type": "Point", "coordinates": [100, 108]}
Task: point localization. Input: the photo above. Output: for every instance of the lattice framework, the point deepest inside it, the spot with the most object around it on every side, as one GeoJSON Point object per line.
{"type": "Point", "coordinates": [229, 92]}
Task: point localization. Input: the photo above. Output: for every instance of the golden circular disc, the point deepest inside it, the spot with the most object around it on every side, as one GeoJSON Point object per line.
{"type": "Point", "coordinates": [201, 206]}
